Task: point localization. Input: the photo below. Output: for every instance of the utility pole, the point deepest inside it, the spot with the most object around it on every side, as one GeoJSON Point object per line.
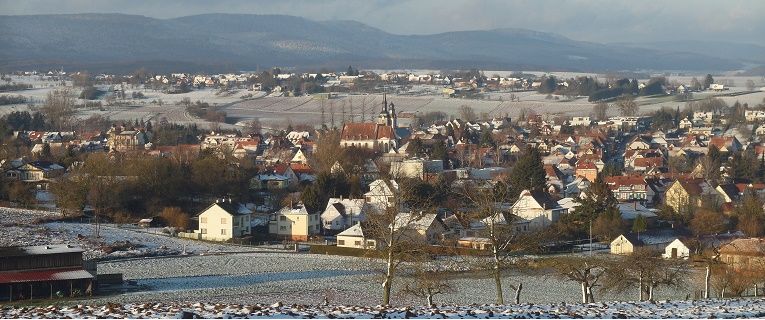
{"type": "Point", "coordinates": [323, 117]}
{"type": "Point", "coordinates": [590, 236]}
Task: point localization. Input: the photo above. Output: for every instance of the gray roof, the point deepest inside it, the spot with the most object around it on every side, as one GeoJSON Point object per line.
{"type": "Point", "coordinates": [38, 250]}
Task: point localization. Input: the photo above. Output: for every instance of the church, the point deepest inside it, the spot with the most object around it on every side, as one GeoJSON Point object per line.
{"type": "Point", "coordinates": [380, 136]}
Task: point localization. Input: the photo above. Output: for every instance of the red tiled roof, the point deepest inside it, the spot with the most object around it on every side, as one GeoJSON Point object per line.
{"type": "Point", "coordinates": [617, 181]}
{"type": "Point", "coordinates": [585, 165]}
{"type": "Point", "coordinates": [44, 275]}
{"type": "Point", "coordinates": [649, 162]}
{"type": "Point", "coordinates": [692, 186]}
{"type": "Point", "coordinates": [301, 168]}
{"type": "Point", "coordinates": [751, 246]}
{"type": "Point", "coordinates": [721, 142]}
{"type": "Point", "coordinates": [366, 131]}
{"type": "Point", "coordinates": [281, 168]}
{"type": "Point", "coordinates": [744, 186]}
{"type": "Point", "coordinates": [592, 158]}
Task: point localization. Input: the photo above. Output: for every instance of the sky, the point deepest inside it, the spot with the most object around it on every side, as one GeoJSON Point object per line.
{"type": "Point", "coordinates": [588, 20]}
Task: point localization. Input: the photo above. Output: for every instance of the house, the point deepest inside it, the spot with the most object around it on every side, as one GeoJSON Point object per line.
{"type": "Point", "coordinates": [537, 208]}
{"type": "Point", "coordinates": [382, 194]}
{"type": "Point", "coordinates": [354, 237]}
{"type": "Point", "coordinates": [630, 211]}
{"type": "Point", "coordinates": [299, 157]}
{"type": "Point", "coordinates": [580, 121]}
{"type": "Point", "coordinates": [676, 250]}
{"type": "Point", "coordinates": [246, 149]}
{"type": "Point", "coordinates": [36, 171]}
{"type": "Point", "coordinates": [576, 187]}
{"type": "Point", "coordinates": [688, 192]}
{"type": "Point", "coordinates": [630, 188]}
{"type": "Point", "coordinates": [341, 214]}
{"type": "Point", "coordinates": [279, 176]}
{"type": "Point", "coordinates": [744, 253]}
{"type": "Point", "coordinates": [726, 144]}
{"type": "Point", "coordinates": [120, 140]}
{"type": "Point", "coordinates": [42, 272]}
{"type": "Point", "coordinates": [423, 228]}
{"type": "Point", "coordinates": [655, 240]}
{"type": "Point", "coordinates": [270, 181]}
{"type": "Point", "coordinates": [294, 223]}
{"type": "Point", "coordinates": [477, 243]}
{"type": "Point", "coordinates": [223, 220]}
{"type": "Point", "coordinates": [416, 168]}
{"type": "Point", "coordinates": [587, 170]}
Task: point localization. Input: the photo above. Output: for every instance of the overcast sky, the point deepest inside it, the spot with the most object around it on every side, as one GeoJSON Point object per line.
{"type": "Point", "coordinates": [589, 20]}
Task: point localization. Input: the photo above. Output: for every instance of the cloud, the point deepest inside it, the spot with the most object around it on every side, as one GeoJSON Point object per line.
{"type": "Point", "coordinates": [588, 20]}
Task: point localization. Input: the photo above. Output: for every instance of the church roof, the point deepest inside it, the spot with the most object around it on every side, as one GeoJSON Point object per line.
{"type": "Point", "coordinates": [367, 131]}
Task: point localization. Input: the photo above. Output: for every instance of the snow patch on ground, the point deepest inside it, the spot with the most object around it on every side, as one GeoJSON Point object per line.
{"type": "Point", "coordinates": [733, 308]}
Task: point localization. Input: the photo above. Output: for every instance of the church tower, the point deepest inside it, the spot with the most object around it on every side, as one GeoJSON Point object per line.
{"type": "Point", "coordinates": [383, 118]}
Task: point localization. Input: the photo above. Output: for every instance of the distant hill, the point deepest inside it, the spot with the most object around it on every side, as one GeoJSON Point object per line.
{"type": "Point", "coordinates": [216, 42]}
{"type": "Point", "coordinates": [745, 52]}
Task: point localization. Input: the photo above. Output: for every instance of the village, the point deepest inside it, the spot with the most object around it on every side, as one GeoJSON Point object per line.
{"type": "Point", "coordinates": [621, 200]}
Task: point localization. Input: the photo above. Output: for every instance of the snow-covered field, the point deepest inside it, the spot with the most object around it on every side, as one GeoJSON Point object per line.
{"type": "Point", "coordinates": [237, 274]}
{"type": "Point", "coordinates": [709, 309]}
{"type": "Point", "coordinates": [20, 229]}
{"type": "Point", "coordinates": [308, 279]}
{"type": "Point", "coordinates": [275, 111]}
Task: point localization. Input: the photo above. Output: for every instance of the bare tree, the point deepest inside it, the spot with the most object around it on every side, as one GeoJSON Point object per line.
{"type": "Point", "coordinates": [467, 113]}
{"type": "Point", "coordinates": [395, 234]}
{"type": "Point", "coordinates": [600, 111]}
{"type": "Point", "coordinates": [328, 151]}
{"type": "Point", "coordinates": [59, 108]}
{"type": "Point", "coordinates": [587, 271]}
{"type": "Point", "coordinates": [254, 126]}
{"type": "Point", "coordinates": [498, 227]}
{"type": "Point", "coordinates": [646, 270]}
{"type": "Point", "coordinates": [627, 106]}
{"type": "Point", "coordinates": [426, 284]}
{"type": "Point", "coordinates": [750, 85]}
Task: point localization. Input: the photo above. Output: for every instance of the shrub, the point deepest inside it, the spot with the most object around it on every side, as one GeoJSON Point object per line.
{"type": "Point", "coordinates": [175, 217]}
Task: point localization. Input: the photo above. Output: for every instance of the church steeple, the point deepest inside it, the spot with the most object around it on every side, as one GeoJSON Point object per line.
{"type": "Point", "coordinates": [383, 117]}
{"type": "Point", "coordinates": [387, 116]}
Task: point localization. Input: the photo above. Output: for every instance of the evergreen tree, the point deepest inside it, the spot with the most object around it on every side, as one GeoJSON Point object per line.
{"type": "Point", "coordinates": [486, 139]}
{"type": "Point", "coordinates": [311, 199]}
{"type": "Point", "coordinates": [439, 151]}
{"type": "Point", "coordinates": [597, 200]}
{"type": "Point", "coordinates": [415, 147]}
{"type": "Point", "coordinates": [639, 225]}
{"type": "Point", "coordinates": [708, 81]}
{"type": "Point", "coordinates": [528, 173]}
{"type": "Point", "coordinates": [45, 154]}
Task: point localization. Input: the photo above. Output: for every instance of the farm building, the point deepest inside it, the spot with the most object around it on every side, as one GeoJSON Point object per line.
{"type": "Point", "coordinates": [38, 272]}
{"type": "Point", "coordinates": [677, 250]}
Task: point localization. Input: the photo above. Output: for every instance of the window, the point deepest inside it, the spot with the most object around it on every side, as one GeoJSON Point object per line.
{"type": "Point", "coordinates": [357, 243]}
{"type": "Point", "coordinates": [370, 243]}
{"type": "Point", "coordinates": [283, 228]}
{"type": "Point", "coordinates": [340, 242]}
{"type": "Point", "coordinates": [223, 220]}
{"type": "Point", "coordinates": [203, 231]}
{"type": "Point", "coordinates": [223, 232]}
{"type": "Point", "coordinates": [282, 218]}
{"type": "Point", "coordinates": [203, 220]}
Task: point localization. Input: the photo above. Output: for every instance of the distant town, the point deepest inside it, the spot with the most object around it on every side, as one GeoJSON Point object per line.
{"type": "Point", "coordinates": [381, 187]}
